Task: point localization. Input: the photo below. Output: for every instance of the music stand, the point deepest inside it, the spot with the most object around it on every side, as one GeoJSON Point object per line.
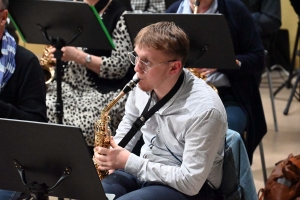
{"type": "Point", "coordinates": [210, 40]}
{"type": "Point", "coordinates": [59, 23]}
{"type": "Point", "coordinates": [47, 153]}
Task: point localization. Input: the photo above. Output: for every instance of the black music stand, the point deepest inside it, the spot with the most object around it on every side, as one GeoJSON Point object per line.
{"type": "Point", "coordinates": [59, 23]}
{"type": "Point", "coordinates": [54, 159]}
{"type": "Point", "coordinates": [288, 83]}
{"type": "Point", "coordinates": [210, 40]}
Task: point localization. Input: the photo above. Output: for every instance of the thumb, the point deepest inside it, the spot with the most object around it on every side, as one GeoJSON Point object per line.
{"type": "Point", "coordinates": [113, 144]}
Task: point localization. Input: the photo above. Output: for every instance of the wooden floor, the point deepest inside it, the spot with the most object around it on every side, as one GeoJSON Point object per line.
{"type": "Point", "coordinates": [277, 145]}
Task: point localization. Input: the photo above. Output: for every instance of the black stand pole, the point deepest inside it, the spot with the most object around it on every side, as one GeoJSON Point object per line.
{"type": "Point", "coordinates": [293, 93]}
{"type": "Point", "coordinates": [287, 83]}
{"type": "Point", "coordinates": [58, 43]}
{"type": "Point", "coordinates": [292, 75]}
{"type": "Point", "coordinates": [60, 24]}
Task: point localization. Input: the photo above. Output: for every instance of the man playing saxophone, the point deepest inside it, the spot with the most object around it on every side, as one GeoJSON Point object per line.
{"type": "Point", "coordinates": [184, 140]}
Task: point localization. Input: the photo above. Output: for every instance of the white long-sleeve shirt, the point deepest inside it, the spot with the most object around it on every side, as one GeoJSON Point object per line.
{"type": "Point", "coordinates": [192, 125]}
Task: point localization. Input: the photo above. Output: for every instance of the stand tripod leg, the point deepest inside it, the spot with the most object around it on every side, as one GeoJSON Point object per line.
{"type": "Point", "coordinates": [272, 99]}
{"type": "Point", "coordinates": [287, 83]}
{"type": "Point", "coordinates": [286, 110]}
{"type": "Point", "coordinates": [263, 163]}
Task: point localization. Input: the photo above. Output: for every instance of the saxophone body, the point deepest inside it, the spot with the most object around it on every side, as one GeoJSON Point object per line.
{"type": "Point", "coordinates": [101, 127]}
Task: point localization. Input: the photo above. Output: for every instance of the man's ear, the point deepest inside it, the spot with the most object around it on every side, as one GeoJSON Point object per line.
{"type": "Point", "coordinates": [4, 16]}
{"type": "Point", "coordinates": [176, 67]}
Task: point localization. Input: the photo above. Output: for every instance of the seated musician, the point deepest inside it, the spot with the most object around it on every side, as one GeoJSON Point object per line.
{"type": "Point", "coordinates": [93, 77]}
{"type": "Point", "coordinates": [184, 140]}
{"type": "Point", "coordinates": [238, 89]}
{"type": "Point", "coordinates": [148, 6]}
{"type": "Point", "coordinates": [22, 86]}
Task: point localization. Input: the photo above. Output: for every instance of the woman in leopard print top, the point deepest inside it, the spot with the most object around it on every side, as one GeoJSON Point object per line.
{"type": "Point", "coordinates": [88, 87]}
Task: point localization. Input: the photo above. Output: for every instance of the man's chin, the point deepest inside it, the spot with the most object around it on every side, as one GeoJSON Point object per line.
{"type": "Point", "coordinates": [143, 88]}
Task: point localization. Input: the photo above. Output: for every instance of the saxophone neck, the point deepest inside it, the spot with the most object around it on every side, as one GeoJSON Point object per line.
{"type": "Point", "coordinates": [128, 87]}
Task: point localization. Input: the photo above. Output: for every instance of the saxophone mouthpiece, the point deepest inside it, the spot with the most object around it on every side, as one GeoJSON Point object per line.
{"type": "Point", "coordinates": [136, 80]}
{"type": "Point", "coordinates": [129, 86]}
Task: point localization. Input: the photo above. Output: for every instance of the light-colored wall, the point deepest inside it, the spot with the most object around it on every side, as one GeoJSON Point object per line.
{"type": "Point", "coordinates": [37, 49]}
{"type": "Point", "coordinates": [289, 22]}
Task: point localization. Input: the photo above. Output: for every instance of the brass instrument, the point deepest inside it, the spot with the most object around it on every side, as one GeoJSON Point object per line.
{"type": "Point", "coordinates": [47, 65]}
{"type": "Point", "coordinates": [199, 75]}
{"type": "Point", "coordinates": [193, 70]}
{"type": "Point", "coordinates": [196, 5]}
{"type": "Point", "coordinates": [102, 130]}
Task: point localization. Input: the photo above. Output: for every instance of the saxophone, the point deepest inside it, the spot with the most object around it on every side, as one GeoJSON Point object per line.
{"type": "Point", "coordinates": [199, 75]}
{"type": "Point", "coordinates": [47, 65]}
{"type": "Point", "coordinates": [193, 70]}
{"type": "Point", "coordinates": [101, 128]}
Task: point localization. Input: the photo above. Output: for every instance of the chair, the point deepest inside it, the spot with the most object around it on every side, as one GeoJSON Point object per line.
{"type": "Point", "coordinates": [237, 181]}
{"type": "Point", "coordinates": [269, 44]}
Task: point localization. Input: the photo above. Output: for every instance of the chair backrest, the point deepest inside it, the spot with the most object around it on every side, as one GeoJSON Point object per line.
{"type": "Point", "coordinates": [237, 181]}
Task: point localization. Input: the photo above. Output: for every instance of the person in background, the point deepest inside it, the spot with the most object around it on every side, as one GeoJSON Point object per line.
{"type": "Point", "coordinates": [184, 140]}
{"type": "Point", "coordinates": [93, 77]}
{"type": "Point", "coordinates": [22, 84]}
{"type": "Point", "coordinates": [238, 89]}
{"type": "Point", "coordinates": [12, 30]}
{"type": "Point", "coordinates": [148, 6]}
{"type": "Point", "coordinates": [267, 18]}
{"type": "Point", "coordinates": [296, 6]}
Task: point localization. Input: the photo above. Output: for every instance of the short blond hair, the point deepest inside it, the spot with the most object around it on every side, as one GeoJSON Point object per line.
{"type": "Point", "coordinates": [164, 36]}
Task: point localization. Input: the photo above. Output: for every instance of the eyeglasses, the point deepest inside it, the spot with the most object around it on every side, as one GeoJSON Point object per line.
{"type": "Point", "coordinates": [144, 66]}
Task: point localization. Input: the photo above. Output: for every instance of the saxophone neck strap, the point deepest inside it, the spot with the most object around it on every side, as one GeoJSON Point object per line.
{"type": "Point", "coordinates": [140, 121]}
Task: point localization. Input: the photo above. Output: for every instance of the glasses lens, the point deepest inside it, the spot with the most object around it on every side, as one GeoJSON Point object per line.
{"type": "Point", "coordinates": [132, 58]}
{"type": "Point", "coordinates": [135, 60]}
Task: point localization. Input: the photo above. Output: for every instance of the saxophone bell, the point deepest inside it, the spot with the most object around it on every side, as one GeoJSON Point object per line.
{"type": "Point", "coordinates": [47, 65]}
{"type": "Point", "coordinates": [203, 77]}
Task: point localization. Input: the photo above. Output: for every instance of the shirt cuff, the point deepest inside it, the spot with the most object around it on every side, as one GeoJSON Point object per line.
{"type": "Point", "coordinates": [134, 164]}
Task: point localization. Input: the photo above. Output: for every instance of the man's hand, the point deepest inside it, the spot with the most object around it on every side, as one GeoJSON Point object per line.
{"type": "Point", "coordinates": [113, 158]}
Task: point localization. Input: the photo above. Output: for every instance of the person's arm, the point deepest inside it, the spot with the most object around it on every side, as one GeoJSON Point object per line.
{"type": "Point", "coordinates": [117, 65]}
{"type": "Point", "coordinates": [29, 92]}
{"type": "Point", "coordinates": [112, 67]}
{"type": "Point", "coordinates": [268, 18]}
{"type": "Point", "coordinates": [174, 7]}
